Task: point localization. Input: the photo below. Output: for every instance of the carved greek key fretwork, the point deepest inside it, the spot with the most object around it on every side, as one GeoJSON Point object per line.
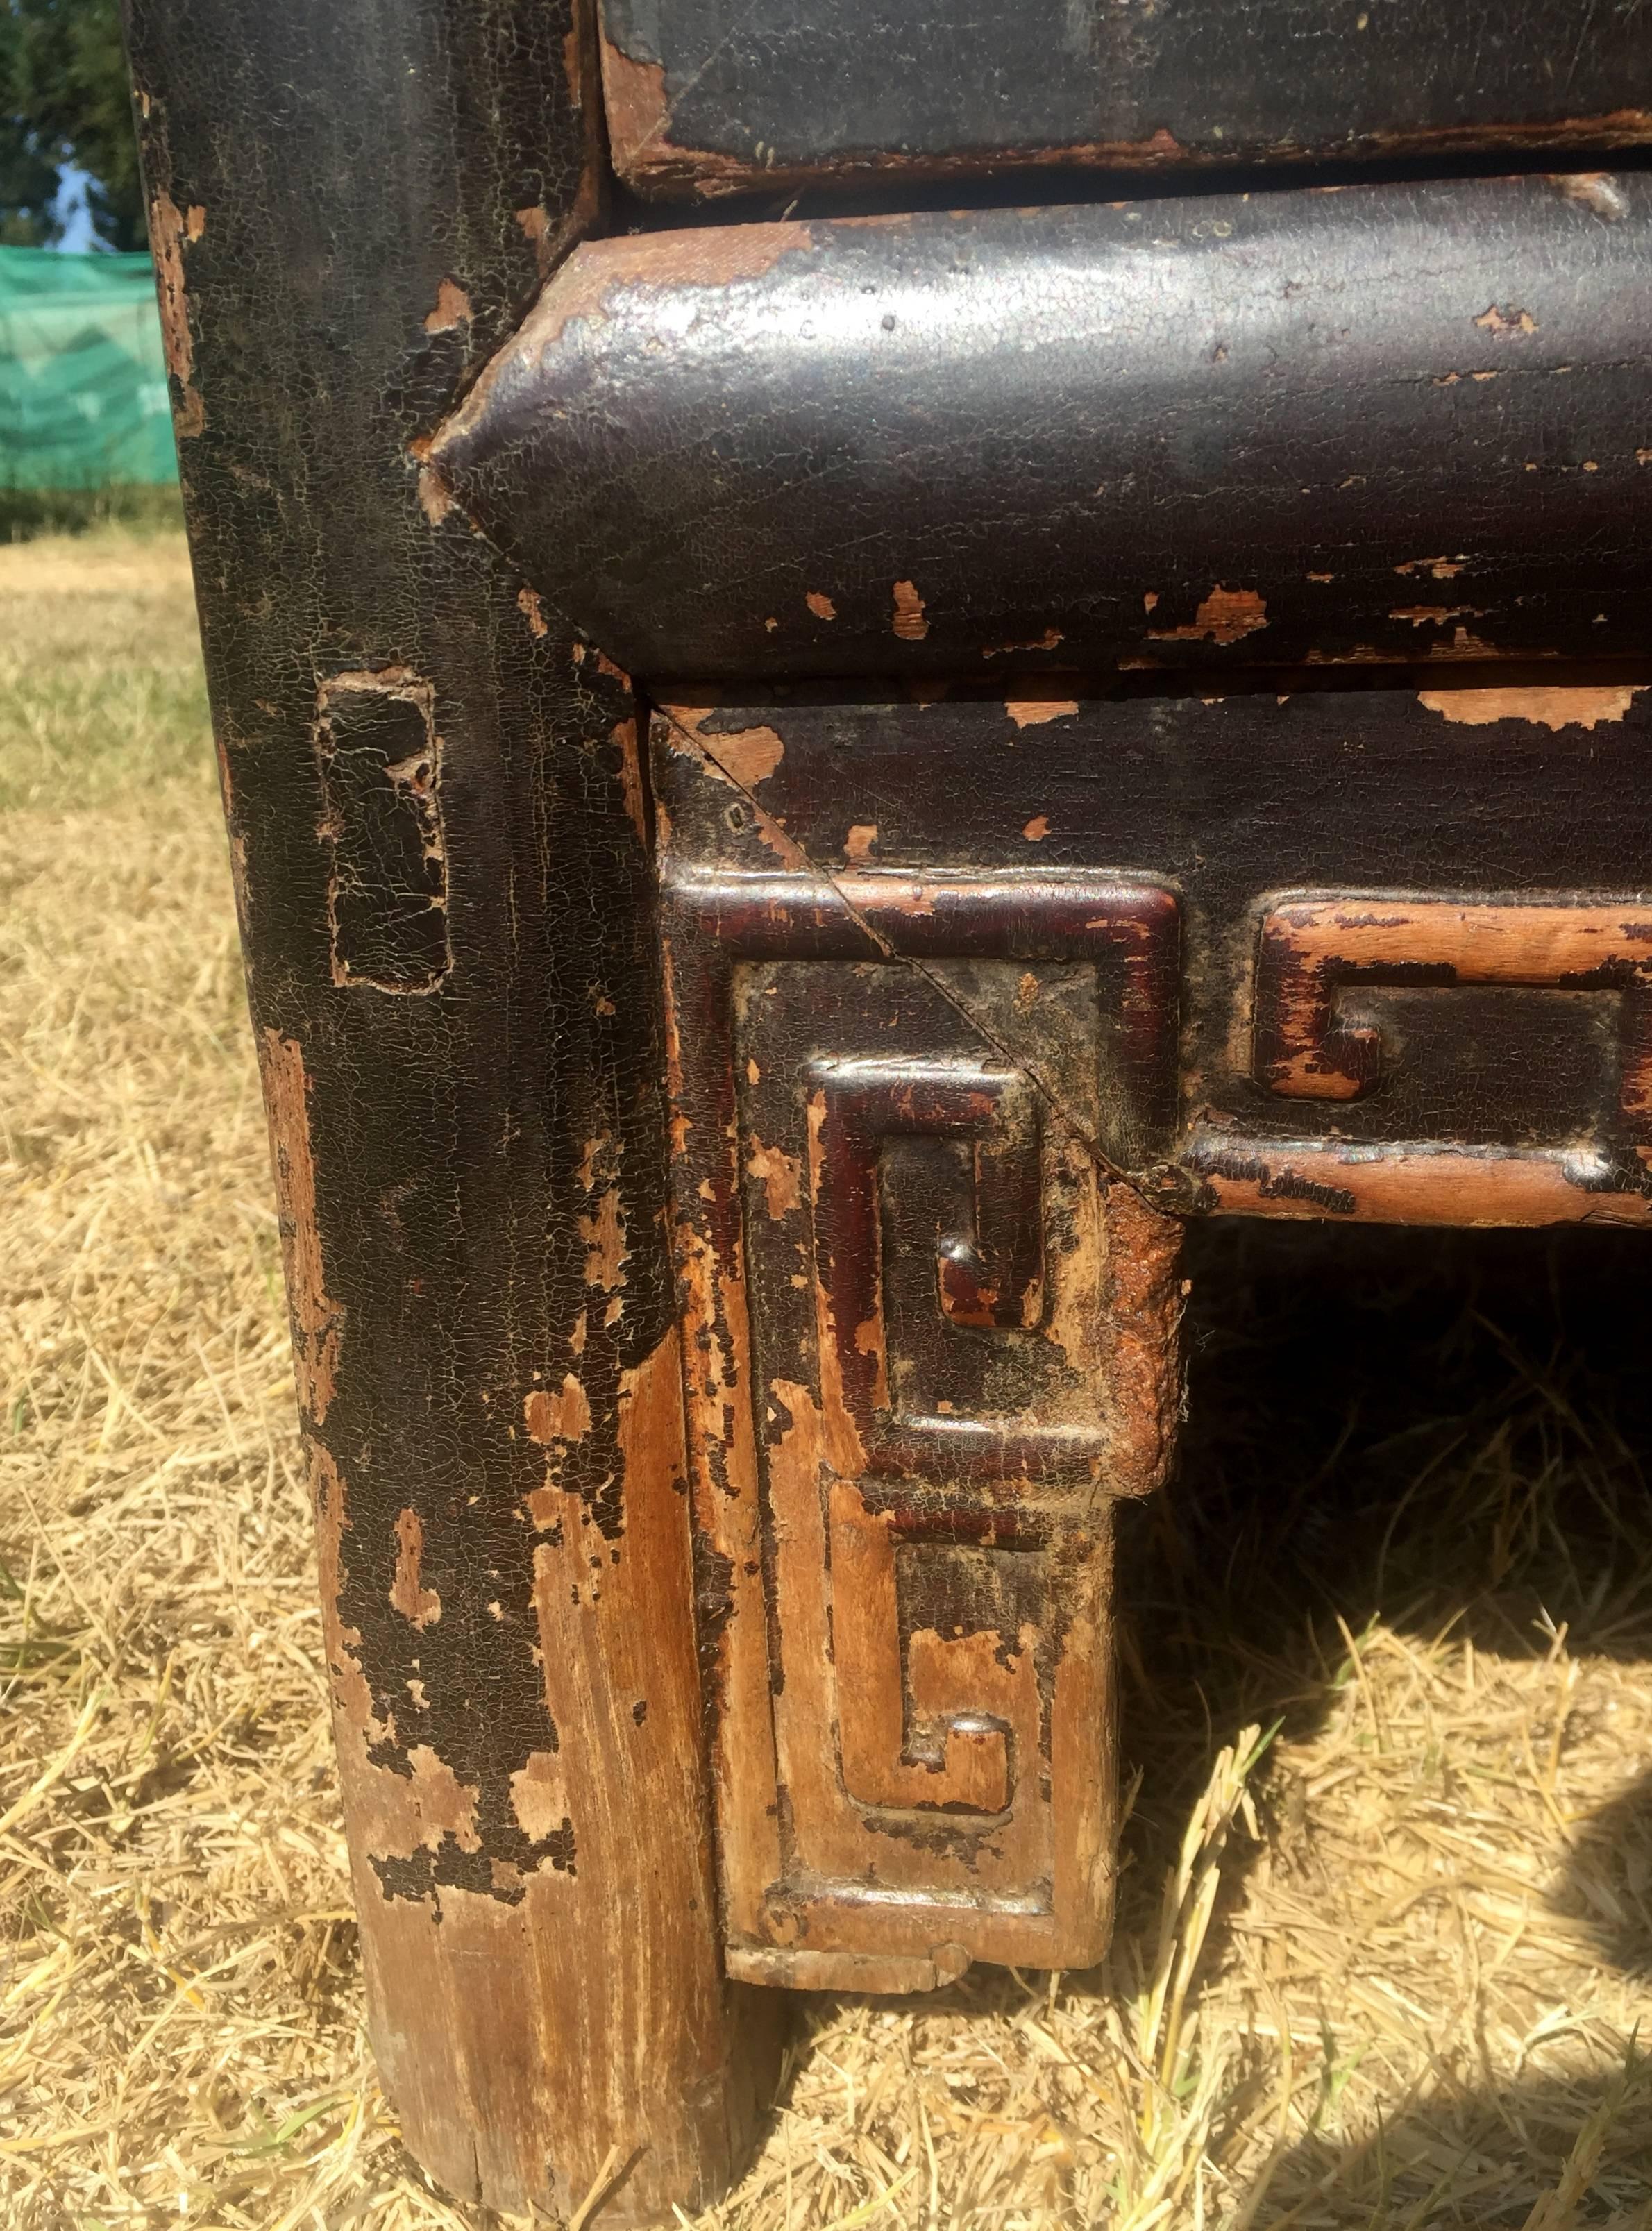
{"type": "Point", "coordinates": [928, 1725]}
{"type": "Point", "coordinates": [1313, 950]}
{"type": "Point", "coordinates": [1320, 958]}
{"type": "Point", "coordinates": [919, 1254]}
{"type": "Point", "coordinates": [909, 1340]}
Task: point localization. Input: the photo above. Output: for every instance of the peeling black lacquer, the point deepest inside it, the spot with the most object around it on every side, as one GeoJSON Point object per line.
{"type": "Point", "coordinates": [455, 1298]}
{"type": "Point", "coordinates": [1275, 1184]}
{"type": "Point", "coordinates": [1407, 422]}
{"type": "Point", "coordinates": [1227, 799]}
{"type": "Point", "coordinates": [372, 197]}
{"type": "Point", "coordinates": [714, 1606]}
{"type": "Point", "coordinates": [417, 1877]}
{"type": "Point", "coordinates": [1390, 422]}
{"type": "Point", "coordinates": [786, 91]}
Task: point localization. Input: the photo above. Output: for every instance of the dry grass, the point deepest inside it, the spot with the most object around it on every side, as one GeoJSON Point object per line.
{"type": "Point", "coordinates": [1386, 1968]}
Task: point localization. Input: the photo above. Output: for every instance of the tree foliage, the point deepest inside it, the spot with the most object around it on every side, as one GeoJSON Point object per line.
{"type": "Point", "coordinates": [64, 100]}
{"type": "Point", "coordinates": [29, 178]}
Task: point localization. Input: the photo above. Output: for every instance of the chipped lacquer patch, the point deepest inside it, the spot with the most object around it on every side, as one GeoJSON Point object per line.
{"type": "Point", "coordinates": [379, 760]}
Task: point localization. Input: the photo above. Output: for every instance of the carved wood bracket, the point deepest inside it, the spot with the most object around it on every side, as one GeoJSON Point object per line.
{"type": "Point", "coordinates": [929, 1343]}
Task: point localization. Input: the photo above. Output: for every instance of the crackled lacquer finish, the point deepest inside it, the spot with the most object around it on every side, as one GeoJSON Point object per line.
{"type": "Point", "coordinates": [1416, 926]}
{"type": "Point", "coordinates": [982, 965]}
{"type": "Point", "coordinates": [1381, 424]}
{"type": "Point", "coordinates": [930, 1340]}
{"type": "Point", "coordinates": [434, 810]}
{"type": "Point", "coordinates": [782, 93]}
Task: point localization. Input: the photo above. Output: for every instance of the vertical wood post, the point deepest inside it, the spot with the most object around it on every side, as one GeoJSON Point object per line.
{"type": "Point", "coordinates": [436, 820]}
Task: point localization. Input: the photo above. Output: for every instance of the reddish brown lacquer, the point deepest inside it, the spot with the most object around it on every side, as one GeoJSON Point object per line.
{"type": "Point", "coordinates": [1310, 1042]}
{"type": "Point", "coordinates": [916, 1305]}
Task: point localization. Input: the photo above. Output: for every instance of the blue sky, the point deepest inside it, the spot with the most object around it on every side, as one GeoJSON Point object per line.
{"type": "Point", "coordinates": [71, 207]}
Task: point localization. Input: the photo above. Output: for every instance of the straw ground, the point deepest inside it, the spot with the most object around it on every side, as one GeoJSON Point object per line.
{"type": "Point", "coordinates": [1387, 1905]}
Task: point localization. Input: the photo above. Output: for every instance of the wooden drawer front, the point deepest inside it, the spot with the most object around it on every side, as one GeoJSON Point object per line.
{"type": "Point", "coordinates": [703, 99]}
{"type": "Point", "coordinates": [929, 1343]}
{"type": "Point", "coordinates": [1415, 935]}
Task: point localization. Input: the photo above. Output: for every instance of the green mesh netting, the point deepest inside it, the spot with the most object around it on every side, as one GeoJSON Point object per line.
{"type": "Point", "coordinates": [82, 376]}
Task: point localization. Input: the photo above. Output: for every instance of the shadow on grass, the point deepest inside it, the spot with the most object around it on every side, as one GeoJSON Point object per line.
{"type": "Point", "coordinates": [1442, 1432]}
{"type": "Point", "coordinates": [1427, 1425]}
{"type": "Point", "coordinates": [1446, 1430]}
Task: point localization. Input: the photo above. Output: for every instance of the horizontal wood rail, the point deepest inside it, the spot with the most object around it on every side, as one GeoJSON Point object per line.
{"type": "Point", "coordinates": [704, 101]}
{"type": "Point", "coordinates": [1393, 423]}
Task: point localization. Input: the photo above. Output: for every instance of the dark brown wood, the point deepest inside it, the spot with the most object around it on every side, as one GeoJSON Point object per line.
{"type": "Point", "coordinates": [436, 815]}
{"type": "Point", "coordinates": [1389, 422]}
{"type": "Point", "coordinates": [909, 1421]}
{"type": "Point", "coordinates": [706, 100]}
{"type": "Point", "coordinates": [963, 943]}
{"type": "Point", "coordinates": [1415, 924]}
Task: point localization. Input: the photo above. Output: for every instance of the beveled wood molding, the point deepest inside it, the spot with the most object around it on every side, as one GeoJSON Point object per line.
{"type": "Point", "coordinates": [1393, 423]}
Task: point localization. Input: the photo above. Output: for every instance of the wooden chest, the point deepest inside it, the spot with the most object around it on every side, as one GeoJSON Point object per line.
{"type": "Point", "coordinates": [862, 657]}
